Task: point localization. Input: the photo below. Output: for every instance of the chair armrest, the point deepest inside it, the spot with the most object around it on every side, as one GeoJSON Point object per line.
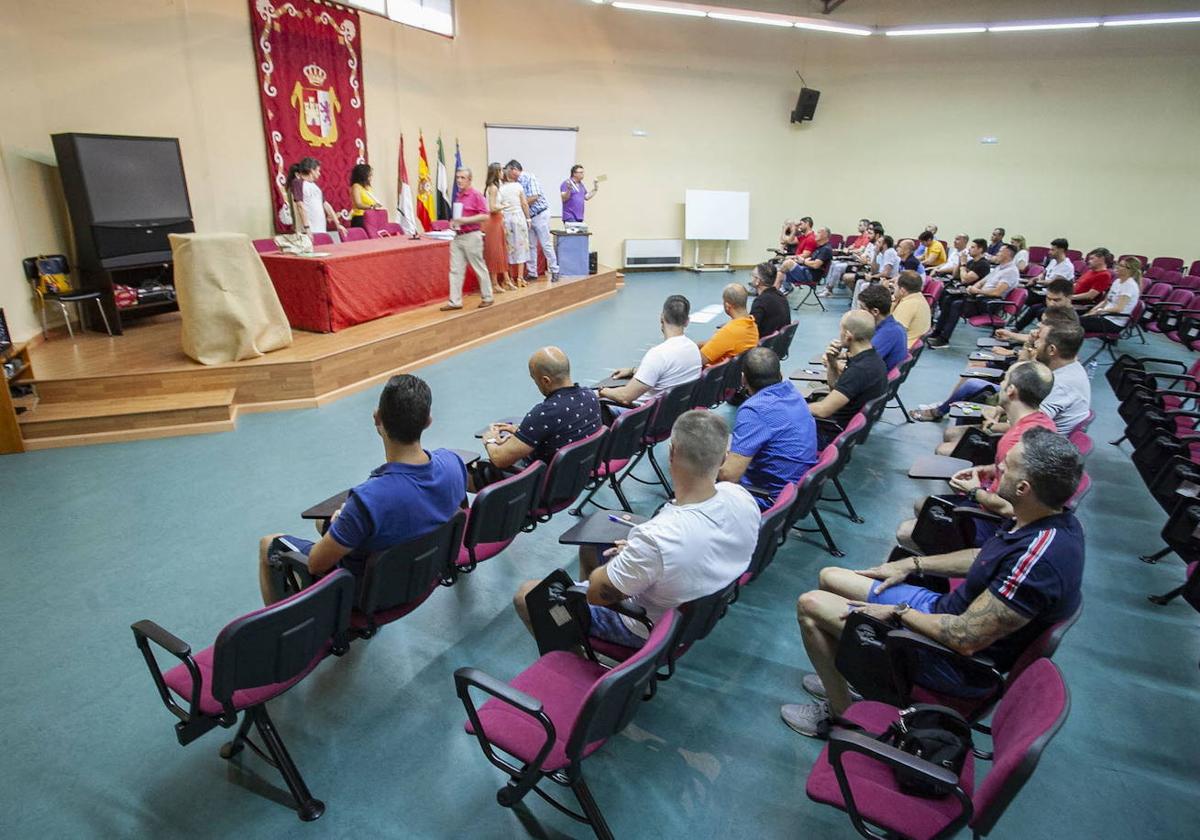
{"type": "Point", "coordinates": [169, 642]}
{"type": "Point", "coordinates": [824, 423]}
{"type": "Point", "coordinates": [147, 631]}
{"type": "Point", "coordinates": [906, 648]}
{"type": "Point", "coordinates": [294, 565]}
{"type": "Point", "coordinates": [1173, 392]}
{"type": "Point", "coordinates": [465, 678]}
{"type": "Point", "coordinates": [1158, 360]}
{"type": "Point", "coordinates": [757, 492]}
{"type": "Point", "coordinates": [625, 607]}
{"type": "Point", "coordinates": [1174, 377]}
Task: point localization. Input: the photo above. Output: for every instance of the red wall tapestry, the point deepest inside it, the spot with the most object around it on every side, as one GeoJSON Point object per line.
{"type": "Point", "coordinates": [309, 58]}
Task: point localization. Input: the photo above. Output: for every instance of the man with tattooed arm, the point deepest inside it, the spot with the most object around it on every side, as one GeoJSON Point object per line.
{"type": "Point", "coordinates": [1021, 581]}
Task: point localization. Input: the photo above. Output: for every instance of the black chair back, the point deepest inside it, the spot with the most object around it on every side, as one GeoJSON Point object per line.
{"type": "Point", "coordinates": [701, 615]}
{"type": "Point", "coordinates": [772, 530]}
{"type": "Point", "coordinates": [671, 405]}
{"type": "Point", "coordinates": [733, 376]}
{"type": "Point", "coordinates": [783, 343]}
{"type": "Point", "coordinates": [569, 472]}
{"type": "Point", "coordinates": [808, 489]}
{"type": "Point", "coordinates": [617, 696]}
{"type": "Point", "coordinates": [873, 409]}
{"type": "Point", "coordinates": [625, 435]}
{"type": "Point", "coordinates": [710, 390]}
{"type": "Point", "coordinates": [500, 511]}
{"type": "Point", "coordinates": [276, 643]}
{"type": "Point", "coordinates": [406, 572]}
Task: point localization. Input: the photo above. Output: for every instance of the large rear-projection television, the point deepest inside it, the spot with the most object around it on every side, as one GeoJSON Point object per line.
{"type": "Point", "coordinates": [124, 195]}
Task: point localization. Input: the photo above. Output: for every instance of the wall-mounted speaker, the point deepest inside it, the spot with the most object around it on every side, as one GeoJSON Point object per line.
{"type": "Point", "coordinates": [806, 105]}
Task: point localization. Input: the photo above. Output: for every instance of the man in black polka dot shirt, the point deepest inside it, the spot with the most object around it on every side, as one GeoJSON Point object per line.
{"type": "Point", "coordinates": [567, 414]}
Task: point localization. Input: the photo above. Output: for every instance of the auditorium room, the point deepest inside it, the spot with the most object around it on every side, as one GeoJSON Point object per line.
{"type": "Point", "coordinates": [586, 418]}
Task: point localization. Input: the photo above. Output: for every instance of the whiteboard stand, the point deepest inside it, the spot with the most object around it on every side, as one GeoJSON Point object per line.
{"type": "Point", "coordinates": [698, 266]}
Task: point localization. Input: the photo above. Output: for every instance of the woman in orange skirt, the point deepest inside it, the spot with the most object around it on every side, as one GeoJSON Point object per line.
{"type": "Point", "coordinates": [494, 252]}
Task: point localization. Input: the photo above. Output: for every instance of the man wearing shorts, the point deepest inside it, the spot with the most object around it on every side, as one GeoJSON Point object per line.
{"type": "Point", "coordinates": [699, 543]}
{"type": "Point", "coordinates": [413, 492]}
{"type": "Point", "coordinates": [1024, 579]}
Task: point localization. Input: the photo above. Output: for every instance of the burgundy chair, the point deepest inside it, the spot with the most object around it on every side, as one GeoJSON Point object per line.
{"type": "Point", "coordinates": [390, 229]}
{"type": "Point", "coordinates": [1188, 281]}
{"type": "Point", "coordinates": [1172, 278]}
{"type": "Point", "coordinates": [710, 390]}
{"type": "Point", "coordinates": [854, 772]}
{"type": "Point", "coordinates": [1080, 265]}
{"type": "Point", "coordinates": [846, 441]}
{"type": "Point", "coordinates": [835, 241]}
{"type": "Point", "coordinates": [1000, 310]}
{"type": "Point", "coordinates": [254, 659]}
{"type": "Point", "coordinates": [556, 713]}
{"type": "Point", "coordinates": [1167, 263]}
{"type": "Point", "coordinates": [265, 246]}
{"type": "Point", "coordinates": [499, 512]}
{"type": "Point", "coordinates": [569, 472]}
{"type": "Point", "coordinates": [808, 493]}
{"type": "Point", "coordinates": [1109, 341]}
{"type": "Point", "coordinates": [1176, 299]}
{"type": "Point", "coordinates": [932, 290]}
{"type": "Point", "coordinates": [1038, 254]}
{"type": "Point", "coordinates": [355, 234]}
{"type": "Point", "coordinates": [1194, 269]}
{"type": "Point", "coordinates": [1155, 274]}
{"type": "Point", "coordinates": [322, 239]}
{"type": "Point", "coordinates": [772, 532]}
{"type": "Point", "coordinates": [1085, 481]}
{"type": "Point", "coordinates": [1073, 254]}
{"type": "Point", "coordinates": [1139, 257]}
{"type": "Point", "coordinates": [668, 408]}
{"type": "Point", "coordinates": [1084, 424]}
{"type": "Point", "coordinates": [1033, 270]}
{"type": "Point", "coordinates": [623, 442]}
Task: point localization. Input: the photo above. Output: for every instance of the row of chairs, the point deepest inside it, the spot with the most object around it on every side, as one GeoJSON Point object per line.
{"type": "Point", "coordinates": [352, 234]}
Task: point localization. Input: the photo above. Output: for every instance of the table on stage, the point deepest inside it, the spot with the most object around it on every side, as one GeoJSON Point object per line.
{"type": "Point", "coordinates": [361, 281]}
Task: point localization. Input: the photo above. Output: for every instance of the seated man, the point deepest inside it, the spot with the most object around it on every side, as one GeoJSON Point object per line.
{"type": "Point", "coordinates": [1024, 579]}
{"type": "Point", "coordinates": [1058, 300]}
{"type": "Point", "coordinates": [854, 382]}
{"type": "Point", "coordinates": [909, 306]}
{"type": "Point", "coordinates": [413, 492]}
{"type": "Point", "coordinates": [857, 261]}
{"type": "Point", "coordinates": [807, 269]}
{"type": "Point", "coordinates": [887, 267]}
{"type": "Point", "coordinates": [994, 285]}
{"type": "Point", "coordinates": [890, 340]}
{"type": "Point", "coordinates": [737, 335]}
{"type": "Point", "coordinates": [771, 310]}
{"type": "Point", "coordinates": [909, 261]}
{"type": "Point", "coordinates": [673, 362]}
{"type": "Point", "coordinates": [934, 254]}
{"type": "Point", "coordinates": [956, 257]}
{"type": "Point", "coordinates": [1092, 285]}
{"type": "Point", "coordinates": [993, 245]}
{"type": "Point", "coordinates": [774, 435]}
{"type": "Point", "coordinates": [566, 414]}
{"type": "Point", "coordinates": [698, 543]}
{"type": "Point", "coordinates": [1058, 294]}
{"type": "Point", "coordinates": [1024, 386]}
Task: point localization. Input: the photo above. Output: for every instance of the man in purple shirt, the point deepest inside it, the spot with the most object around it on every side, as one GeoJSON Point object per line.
{"type": "Point", "coordinates": [574, 194]}
{"type": "Point", "coordinates": [470, 211]}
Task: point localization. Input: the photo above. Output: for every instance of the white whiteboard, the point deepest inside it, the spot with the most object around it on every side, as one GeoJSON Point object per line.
{"type": "Point", "coordinates": [715, 214]}
{"type": "Point", "coordinates": [548, 153]}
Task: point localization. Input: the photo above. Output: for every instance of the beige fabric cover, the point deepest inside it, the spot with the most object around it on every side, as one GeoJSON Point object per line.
{"type": "Point", "coordinates": [230, 310]}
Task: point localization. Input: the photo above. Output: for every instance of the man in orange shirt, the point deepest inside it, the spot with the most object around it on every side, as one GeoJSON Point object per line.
{"type": "Point", "coordinates": [735, 337]}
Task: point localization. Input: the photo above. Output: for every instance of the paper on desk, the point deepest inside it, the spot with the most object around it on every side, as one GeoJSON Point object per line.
{"type": "Point", "coordinates": [706, 314]}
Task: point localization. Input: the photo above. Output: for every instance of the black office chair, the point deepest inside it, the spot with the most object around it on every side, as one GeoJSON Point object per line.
{"type": "Point", "coordinates": [57, 263]}
{"type": "Point", "coordinates": [499, 513]}
{"type": "Point", "coordinates": [623, 442]}
{"type": "Point", "coordinates": [670, 406]}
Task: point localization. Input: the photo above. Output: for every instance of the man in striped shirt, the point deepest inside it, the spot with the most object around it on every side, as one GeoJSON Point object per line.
{"type": "Point", "coordinates": [539, 220]}
{"type": "Point", "coordinates": [1024, 579]}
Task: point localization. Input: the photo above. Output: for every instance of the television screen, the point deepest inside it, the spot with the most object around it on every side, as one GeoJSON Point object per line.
{"type": "Point", "coordinates": [132, 179]}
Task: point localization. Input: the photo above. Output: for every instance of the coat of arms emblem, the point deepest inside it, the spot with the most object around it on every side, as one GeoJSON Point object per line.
{"type": "Point", "coordinates": [317, 106]}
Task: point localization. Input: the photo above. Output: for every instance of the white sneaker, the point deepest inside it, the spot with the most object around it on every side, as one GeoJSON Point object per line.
{"type": "Point", "coordinates": [811, 719]}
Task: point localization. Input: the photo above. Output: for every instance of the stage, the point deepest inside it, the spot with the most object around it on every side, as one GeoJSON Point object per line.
{"type": "Point", "coordinates": [98, 389]}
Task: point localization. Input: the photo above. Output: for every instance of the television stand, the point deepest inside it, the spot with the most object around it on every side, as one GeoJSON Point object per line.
{"type": "Point", "coordinates": [105, 280]}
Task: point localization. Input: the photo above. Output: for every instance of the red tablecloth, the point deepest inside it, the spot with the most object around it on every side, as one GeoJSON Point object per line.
{"type": "Point", "coordinates": [361, 281]}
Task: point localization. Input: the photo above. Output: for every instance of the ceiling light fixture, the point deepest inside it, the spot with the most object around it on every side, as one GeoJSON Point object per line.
{"type": "Point", "coordinates": [825, 27]}
{"type": "Point", "coordinates": [1040, 27]}
{"type": "Point", "coordinates": [750, 19]}
{"type": "Point", "coordinates": [667, 10]}
{"type": "Point", "coordinates": [939, 30]}
{"type": "Point", "coordinates": [1150, 20]}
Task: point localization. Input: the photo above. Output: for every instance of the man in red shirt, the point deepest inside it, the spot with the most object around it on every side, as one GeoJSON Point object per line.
{"type": "Point", "coordinates": [806, 239]}
{"type": "Point", "coordinates": [470, 211]}
{"type": "Point", "coordinates": [1022, 390]}
{"type": "Point", "coordinates": [1093, 284]}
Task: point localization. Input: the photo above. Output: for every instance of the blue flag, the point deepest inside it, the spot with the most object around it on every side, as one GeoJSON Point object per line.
{"type": "Point", "coordinates": [457, 166]}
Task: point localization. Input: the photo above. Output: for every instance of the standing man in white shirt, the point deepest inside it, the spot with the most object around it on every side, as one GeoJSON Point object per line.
{"type": "Point", "coordinates": [539, 221]}
{"type": "Point", "coordinates": [699, 543]}
{"type": "Point", "coordinates": [676, 361]}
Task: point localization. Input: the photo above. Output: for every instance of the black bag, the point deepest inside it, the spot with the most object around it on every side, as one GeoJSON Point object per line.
{"type": "Point", "coordinates": [862, 658]}
{"type": "Point", "coordinates": [560, 619]}
{"type": "Point", "coordinates": [935, 734]}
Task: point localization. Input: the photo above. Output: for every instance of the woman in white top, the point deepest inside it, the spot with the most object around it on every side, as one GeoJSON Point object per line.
{"type": "Point", "coordinates": [516, 228]}
{"type": "Point", "coordinates": [1112, 315]}
{"type": "Point", "coordinates": [317, 211]}
{"type": "Point", "coordinates": [1022, 256]}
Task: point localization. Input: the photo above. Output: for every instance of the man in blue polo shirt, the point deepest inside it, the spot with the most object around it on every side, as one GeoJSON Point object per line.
{"type": "Point", "coordinates": [567, 414]}
{"type": "Point", "coordinates": [891, 339]}
{"type": "Point", "coordinates": [1024, 579]}
{"type": "Point", "coordinates": [413, 492]}
{"type": "Point", "coordinates": [774, 436]}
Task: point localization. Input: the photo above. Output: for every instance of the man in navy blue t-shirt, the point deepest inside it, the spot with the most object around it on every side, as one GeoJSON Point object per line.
{"type": "Point", "coordinates": [567, 414]}
{"type": "Point", "coordinates": [891, 339]}
{"type": "Point", "coordinates": [413, 492]}
{"type": "Point", "coordinates": [774, 436]}
{"type": "Point", "coordinates": [1024, 579]}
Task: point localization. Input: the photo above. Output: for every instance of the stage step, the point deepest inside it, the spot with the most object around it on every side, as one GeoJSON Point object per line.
{"type": "Point", "coordinates": [99, 421]}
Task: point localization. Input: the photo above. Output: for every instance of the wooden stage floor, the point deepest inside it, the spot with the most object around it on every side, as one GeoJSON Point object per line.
{"type": "Point", "coordinates": [98, 389]}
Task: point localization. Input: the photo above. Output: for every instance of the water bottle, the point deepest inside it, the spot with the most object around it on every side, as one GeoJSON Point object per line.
{"type": "Point", "coordinates": [1091, 369]}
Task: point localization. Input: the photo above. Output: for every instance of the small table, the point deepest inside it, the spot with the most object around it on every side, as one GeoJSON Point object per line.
{"type": "Point", "coordinates": [938, 466]}
{"type": "Point", "coordinates": [807, 375]}
{"type": "Point", "coordinates": [983, 373]}
{"type": "Point", "coordinates": [512, 421]}
{"type": "Point", "coordinates": [983, 356]}
{"type": "Point", "coordinates": [967, 412]}
{"type": "Point", "coordinates": [992, 342]}
{"type": "Point", "coordinates": [600, 529]}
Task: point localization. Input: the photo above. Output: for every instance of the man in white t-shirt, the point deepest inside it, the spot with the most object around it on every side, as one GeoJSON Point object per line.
{"type": "Point", "coordinates": [699, 542]}
{"type": "Point", "coordinates": [673, 362]}
{"type": "Point", "coordinates": [955, 257]}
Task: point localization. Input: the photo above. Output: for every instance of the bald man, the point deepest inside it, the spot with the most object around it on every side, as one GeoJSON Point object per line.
{"type": "Point", "coordinates": [853, 382]}
{"type": "Point", "coordinates": [735, 337]}
{"type": "Point", "coordinates": [566, 414]}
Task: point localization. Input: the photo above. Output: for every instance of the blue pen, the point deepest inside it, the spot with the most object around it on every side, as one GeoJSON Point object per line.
{"type": "Point", "coordinates": [619, 520]}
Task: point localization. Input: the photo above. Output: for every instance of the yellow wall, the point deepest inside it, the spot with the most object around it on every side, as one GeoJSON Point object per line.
{"type": "Point", "coordinates": [1097, 129]}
